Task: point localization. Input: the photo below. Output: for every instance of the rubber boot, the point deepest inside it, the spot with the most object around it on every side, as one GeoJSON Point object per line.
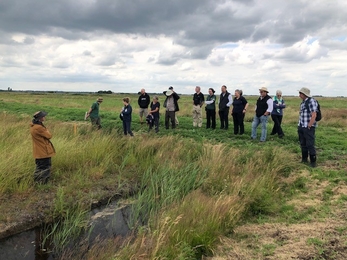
{"type": "Point", "coordinates": [313, 160]}
{"type": "Point", "coordinates": [304, 157]}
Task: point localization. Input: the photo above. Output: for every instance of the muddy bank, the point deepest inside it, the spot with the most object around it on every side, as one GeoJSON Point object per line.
{"type": "Point", "coordinates": [22, 212]}
{"type": "Point", "coordinates": [109, 221]}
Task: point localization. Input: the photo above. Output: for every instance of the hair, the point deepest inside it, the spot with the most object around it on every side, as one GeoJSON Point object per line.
{"type": "Point", "coordinates": [156, 97]}
{"type": "Point", "coordinates": [278, 92]}
{"type": "Point", "coordinates": [224, 86]}
{"type": "Point", "coordinates": [212, 90]}
{"type": "Point", "coordinates": [126, 99]}
{"type": "Point", "coordinates": [239, 91]}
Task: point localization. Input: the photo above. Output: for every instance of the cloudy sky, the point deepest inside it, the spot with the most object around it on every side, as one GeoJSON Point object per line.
{"type": "Point", "coordinates": [126, 45]}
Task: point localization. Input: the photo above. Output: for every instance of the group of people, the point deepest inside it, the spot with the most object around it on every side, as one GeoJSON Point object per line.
{"type": "Point", "coordinates": [43, 148]}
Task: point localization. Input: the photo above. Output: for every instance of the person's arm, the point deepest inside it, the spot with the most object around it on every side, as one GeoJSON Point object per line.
{"type": "Point", "coordinates": [269, 109]}
{"type": "Point", "coordinates": [230, 98]}
{"type": "Point", "coordinates": [246, 106]}
{"type": "Point", "coordinates": [90, 110]}
{"type": "Point", "coordinates": [209, 102]}
{"type": "Point", "coordinates": [42, 131]}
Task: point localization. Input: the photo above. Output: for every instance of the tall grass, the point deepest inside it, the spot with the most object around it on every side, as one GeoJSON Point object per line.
{"type": "Point", "coordinates": [192, 186]}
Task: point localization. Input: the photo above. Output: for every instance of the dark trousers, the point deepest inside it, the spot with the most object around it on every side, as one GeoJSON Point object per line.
{"type": "Point", "coordinates": [155, 124]}
{"type": "Point", "coordinates": [43, 170]}
{"type": "Point", "coordinates": [239, 127]}
{"type": "Point", "coordinates": [211, 118]}
{"type": "Point", "coordinates": [127, 128]}
{"type": "Point", "coordinates": [307, 139]}
{"type": "Point", "coordinates": [277, 129]}
{"type": "Point", "coordinates": [96, 122]}
{"type": "Point", "coordinates": [224, 120]}
{"type": "Point", "coordinates": [170, 115]}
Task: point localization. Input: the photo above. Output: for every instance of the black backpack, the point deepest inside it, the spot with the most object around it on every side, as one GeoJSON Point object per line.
{"type": "Point", "coordinates": [319, 113]}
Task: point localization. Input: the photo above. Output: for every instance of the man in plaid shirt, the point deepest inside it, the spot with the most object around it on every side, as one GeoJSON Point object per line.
{"type": "Point", "coordinates": [307, 126]}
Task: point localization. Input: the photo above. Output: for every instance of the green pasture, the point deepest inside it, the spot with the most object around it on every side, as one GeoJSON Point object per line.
{"type": "Point", "coordinates": [192, 186]}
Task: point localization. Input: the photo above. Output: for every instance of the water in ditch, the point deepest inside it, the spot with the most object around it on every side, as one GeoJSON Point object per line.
{"type": "Point", "coordinates": [108, 222]}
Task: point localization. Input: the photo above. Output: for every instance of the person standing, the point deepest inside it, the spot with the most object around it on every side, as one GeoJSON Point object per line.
{"type": "Point", "coordinates": [262, 111]}
{"type": "Point", "coordinates": [126, 114]}
{"type": "Point", "coordinates": [211, 109]}
{"type": "Point", "coordinates": [240, 106]}
{"type": "Point", "coordinates": [93, 113]}
{"type": "Point", "coordinates": [225, 102]}
{"type": "Point", "coordinates": [155, 107]}
{"type": "Point", "coordinates": [171, 104]}
{"type": "Point", "coordinates": [198, 101]}
{"type": "Point", "coordinates": [43, 148]}
{"type": "Point", "coordinates": [307, 126]}
{"type": "Point", "coordinates": [277, 114]}
{"type": "Point", "coordinates": [143, 102]}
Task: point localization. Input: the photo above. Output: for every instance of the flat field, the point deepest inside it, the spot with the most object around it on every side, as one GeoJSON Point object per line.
{"type": "Point", "coordinates": [205, 193]}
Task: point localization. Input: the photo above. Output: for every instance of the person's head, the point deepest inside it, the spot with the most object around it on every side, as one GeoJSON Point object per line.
{"type": "Point", "coordinates": [224, 89]}
{"type": "Point", "coordinates": [143, 91]}
{"type": "Point", "coordinates": [278, 93]}
{"type": "Point", "coordinates": [211, 91]}
{"type": "Point", "coordinates": [171, 88]}
{"type": "Point", "coordinates": [126, 101]}
{"type": "Point", "coordinates": [197, 89]}
{"type": "Point", "coordinates": [263, 91]}
{"type": "Point", "coordinates": [238, 93]}
{"type": "Point", "coordinates": [40, 116]}
{"type": "Point", "coordinates": [304, 93]}
{"type": "Point", "coordinates": [155, 99]}
{"type": "Point", "coordinates": [99, 100]}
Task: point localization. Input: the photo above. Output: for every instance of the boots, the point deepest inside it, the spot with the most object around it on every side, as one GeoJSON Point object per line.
{"type": "Point", "coordinates": [313, 160]}
{"type": "Point", "coordinates": [304, 156]}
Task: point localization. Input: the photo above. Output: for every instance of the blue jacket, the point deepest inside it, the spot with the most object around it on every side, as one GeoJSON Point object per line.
{"type": "Point", "coordinates": [127, 110]}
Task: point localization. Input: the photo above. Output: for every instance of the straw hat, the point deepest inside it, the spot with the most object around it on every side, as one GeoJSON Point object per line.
{"type": "Point", "coordinates": [264, 89]}
{"type": "Point", "coordinates": [305, 91]}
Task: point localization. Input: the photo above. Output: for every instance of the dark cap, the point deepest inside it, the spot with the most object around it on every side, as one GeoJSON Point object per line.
{"type": "Point", "coordinates": [40, 114]}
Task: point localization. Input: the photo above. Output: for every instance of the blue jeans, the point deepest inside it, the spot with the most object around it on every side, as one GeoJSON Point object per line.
{"type": "Point", "coordinates": [257, 121]}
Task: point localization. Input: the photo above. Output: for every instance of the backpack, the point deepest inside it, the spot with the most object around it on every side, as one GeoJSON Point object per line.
{"type": "Point", "coordinates": [319, 113]}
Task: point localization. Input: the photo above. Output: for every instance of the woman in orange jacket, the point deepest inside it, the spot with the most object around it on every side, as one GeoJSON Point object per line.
{"type": "Point", "coordinates": [43, 149]}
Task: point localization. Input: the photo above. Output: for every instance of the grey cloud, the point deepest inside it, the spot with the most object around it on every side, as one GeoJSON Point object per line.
{"type": "Point", "coordinates": [202, 21]}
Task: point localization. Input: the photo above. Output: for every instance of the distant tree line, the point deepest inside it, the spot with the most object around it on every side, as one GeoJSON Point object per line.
{"type": "Point", "coordinates": [105, 92]}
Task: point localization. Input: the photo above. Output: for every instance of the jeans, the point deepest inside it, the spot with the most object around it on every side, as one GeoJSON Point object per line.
{"type": "Point", "coordinates": [257, 121]}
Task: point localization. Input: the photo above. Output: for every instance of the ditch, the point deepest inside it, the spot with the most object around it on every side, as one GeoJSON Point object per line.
{"type": "Point", "coordinates": [106, 222]}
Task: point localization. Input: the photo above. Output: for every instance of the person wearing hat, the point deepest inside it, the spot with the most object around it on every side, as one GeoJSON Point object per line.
{"type": "Point", "coordinates": [171, 106]}
{"type": "Point", "coordinates": [211, 109]}
{"type": "Point", "coordinates": [43, 148]}
{"type": "Point", "coordinates": [263, 109]}
{"type": "Point", "coordinates": [307, 126]}
{"type": "Point", "coordinates": [164, 92]}
{"type": "Point", "coordinates": [93, 113]}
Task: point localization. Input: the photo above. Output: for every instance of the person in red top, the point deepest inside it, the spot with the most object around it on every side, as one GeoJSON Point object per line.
{"type": "Point", "coordinates": [43, 148]}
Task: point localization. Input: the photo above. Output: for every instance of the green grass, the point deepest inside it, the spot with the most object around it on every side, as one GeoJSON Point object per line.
{"type": "Point", "coordinates": [191, 186]}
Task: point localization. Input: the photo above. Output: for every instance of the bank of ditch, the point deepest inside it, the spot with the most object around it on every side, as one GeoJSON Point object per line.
{"type": "Point", "coordinates": [189, 193]}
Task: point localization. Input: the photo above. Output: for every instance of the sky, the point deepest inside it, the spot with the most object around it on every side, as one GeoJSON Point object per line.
{"type": "Point", "coordinates": [127, 45]}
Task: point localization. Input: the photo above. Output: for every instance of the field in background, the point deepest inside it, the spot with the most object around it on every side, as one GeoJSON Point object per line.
{"type": "Point", "coordinates": [203, 192]}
